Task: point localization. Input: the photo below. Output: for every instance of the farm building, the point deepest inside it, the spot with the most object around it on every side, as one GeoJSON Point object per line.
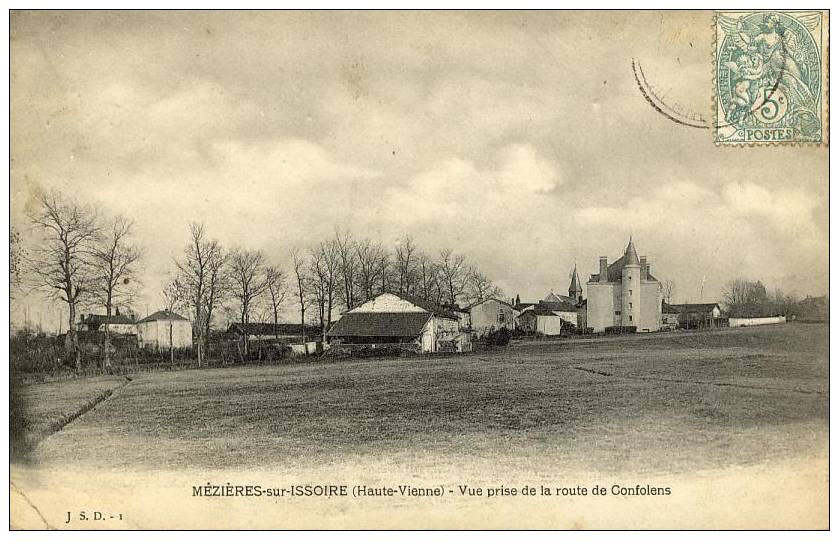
{"type": "Point", "coordinates": [624, 294]}
{"type": "Point", "coordinates": [691, 315]}
{"type": "Point", "coordinates": [164, 330]}
{"type": "Point", "coordinates": [270, 332]}
{"type": "Point", "coordinates": [491, 314]}
{"type": "Point", "coordinates": [120, 324]}
{"type": "Point", "coordinates": [398, 320]}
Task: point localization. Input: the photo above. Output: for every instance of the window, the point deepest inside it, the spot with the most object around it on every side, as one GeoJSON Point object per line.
{"type": "Point", "coordinates": [630, 292]}
{"type": "Point", "coordinates": [630, 305]}
{"type": "Point", "coordinates": [501, 317]}
{"type": "Point", "coordinates": [630, 318]}
{"type": "Point", "coordinates": [617, 313]}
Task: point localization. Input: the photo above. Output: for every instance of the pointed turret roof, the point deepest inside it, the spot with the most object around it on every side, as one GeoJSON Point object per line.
{"type": "Point", "coordinates": [631, 256]}
{"type": "Point", "coordinates": [575, 285]}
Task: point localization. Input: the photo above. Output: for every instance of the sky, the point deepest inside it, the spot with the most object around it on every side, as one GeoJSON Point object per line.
{"type": "Point", "coordinates": [518, 139]}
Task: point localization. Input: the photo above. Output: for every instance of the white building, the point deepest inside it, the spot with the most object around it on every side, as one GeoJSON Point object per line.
{"type": "Point", "coordinates": [164, 330]}
{"type": "Point", "coordinates": [624, 294]}
{"type": "Point", "coordinates": [491, 314]}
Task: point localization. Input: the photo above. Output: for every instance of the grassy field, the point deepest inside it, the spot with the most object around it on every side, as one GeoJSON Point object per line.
{"type": "Point", "coordinates": [657, 403]}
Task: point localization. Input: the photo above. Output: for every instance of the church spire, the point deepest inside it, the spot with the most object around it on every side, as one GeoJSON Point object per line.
{"type": "Point", "coordinates": [575, 289]}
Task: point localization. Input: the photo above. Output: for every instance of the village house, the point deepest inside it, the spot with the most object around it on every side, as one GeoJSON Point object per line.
{"type": "Point", "coordinates": [120, 323]}
{"type": "Point", "coordinates": [402, 321]}
{"type": "Point", "coordinates": [548, 318]}
{"type": "Point", "coordinates": [164, 330]}
{"type": "Point", "coordinates": [554, 311]}
{"type": "Point", "coordinates": [624, 294]}
{"type": "Point", "coordinates": [491, 314]}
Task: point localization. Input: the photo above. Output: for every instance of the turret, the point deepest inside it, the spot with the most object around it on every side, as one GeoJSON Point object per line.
{"type": "Point", "coordinates": [630, 287]}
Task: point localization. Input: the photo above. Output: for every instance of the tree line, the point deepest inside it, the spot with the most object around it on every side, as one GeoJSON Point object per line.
{"type": "Point", "coordinates": [333, 275]}
{"type": "Point", "coordinates": [747, 298]}
{"type": "Point", "coordinates": [86, 258]}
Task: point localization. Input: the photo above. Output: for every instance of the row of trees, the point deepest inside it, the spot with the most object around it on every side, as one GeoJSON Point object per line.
{"type": "Point", "coordinates": [336, 274]}
{"type": "Point", "coordinates": [84, 257]}
{"type": "Point", "coordinates": [746, 298]}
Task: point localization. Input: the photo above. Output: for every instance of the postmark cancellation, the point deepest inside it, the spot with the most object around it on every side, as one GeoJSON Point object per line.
{"type": "Point", "coordinates": [771, 77]}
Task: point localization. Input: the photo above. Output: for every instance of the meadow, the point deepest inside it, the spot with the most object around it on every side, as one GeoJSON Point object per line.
{"type": "Point", "coordinates": [658, 403]}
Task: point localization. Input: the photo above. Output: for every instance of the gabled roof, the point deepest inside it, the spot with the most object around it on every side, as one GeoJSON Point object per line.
{"type": "Point", "coordinates": [556, 306]}
{"type": "Point", "coordinates": [163, 316]}
{"type": "Point", "coordinates": [522, 305]}
{"type": "Point", "coordinates": [502, 302]}
{"type": "Point", "coordinates": [405, 324]}
{"type": "Point", "coordinates": [553, 298]}
{"type": "Point", "coordinates": [431, 307]}
{"type": "Point", "coordinates": [94, 319]}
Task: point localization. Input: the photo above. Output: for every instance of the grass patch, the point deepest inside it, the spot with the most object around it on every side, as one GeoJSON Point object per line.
{"type": "Point", "coordinates": [533, 404]}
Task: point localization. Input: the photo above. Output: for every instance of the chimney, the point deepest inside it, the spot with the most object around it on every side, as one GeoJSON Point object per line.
{"type": "Point", "coordinates": [644, 268]}
{"type": "Point", "coordinates": [604, 267]}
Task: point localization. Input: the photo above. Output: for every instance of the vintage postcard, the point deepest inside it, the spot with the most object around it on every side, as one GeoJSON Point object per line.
{"type": "Point", "coordinates": [418, 270]}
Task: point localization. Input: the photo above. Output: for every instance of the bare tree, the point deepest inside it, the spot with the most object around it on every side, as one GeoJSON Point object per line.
{"type": "Point", "coordinates": [745, 298]}
{"type": "Point", "coordinates": [406, 259]}
{"type": "Point", "coordinates": [275, 283]}
{"type": "Point", "coordinates": [194, 273]}
{"type": "Point", "coordinates": [317, 284]}
{"type": "Point", "coordinates": [173, 294]}
{"type": "Point", "coordinates": [246, 271]}
{"type": "Point", "coordinates": [62, 263]}
{"type": "Point", "coordinates": [479, 287]}
{"type": "Point", "coordinates": [17, 259]}
{"type": "Point", "coordinates": [301, 290]}
{"type": "Point", "coordinates": [345, 248]}
{"type": "Point", "coordinates": [383, 268]}
{"type": "Point", "coordinates": [668, 291]}
{"type": "Point", "coordinates": [427, 278]}
{"type": "Point", "coordinates": [328, 267]}
{"type": "Point", "coordinates": [115, 261]}
{"type": "Point", "coordinates": [453, 272]}
{"type": "Point", "coordinates": [368, 265]}
{"type": "Point", "coordinates": [218, 285]}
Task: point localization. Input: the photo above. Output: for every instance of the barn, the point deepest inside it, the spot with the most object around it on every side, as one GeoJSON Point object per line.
{"type": "Point", "coordinates": [399, 321]}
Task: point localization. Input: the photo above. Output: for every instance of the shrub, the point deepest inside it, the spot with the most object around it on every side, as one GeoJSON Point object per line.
{"type": "Point", "coordinates": [621, 330]}
{"type": "Point", "coordinates": [499, 337]}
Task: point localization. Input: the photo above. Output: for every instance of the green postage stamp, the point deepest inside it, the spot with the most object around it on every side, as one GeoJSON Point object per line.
{"type": "Point", "coordinates": [771, 77]}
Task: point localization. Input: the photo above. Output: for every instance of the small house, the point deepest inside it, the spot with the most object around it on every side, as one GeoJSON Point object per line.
{"type": "Point", "coordinates": [549, 319]}
{"type": "Point", "coordinates": [490, 315]}
{"type": "Point", "coordinates": [164, 330]}
{"type": "Point", "coordinates": [119, 323]}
